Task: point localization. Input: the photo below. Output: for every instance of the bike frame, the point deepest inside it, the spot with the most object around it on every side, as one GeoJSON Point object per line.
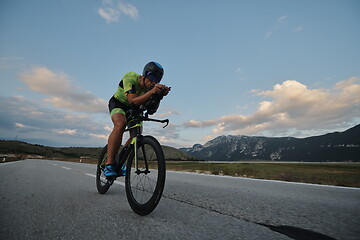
{"type": "Point", "coordinates": [135, 130]}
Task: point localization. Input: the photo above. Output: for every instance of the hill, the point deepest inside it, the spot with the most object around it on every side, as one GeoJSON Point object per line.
{"type": "Point", "coordinates": [337, 146]}
{"type": "Point", "coordinates": [18, 149]}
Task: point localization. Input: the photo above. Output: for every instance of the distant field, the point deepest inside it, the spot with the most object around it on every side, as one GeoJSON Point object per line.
{"type": "Point", "coordinates": [339, 174]}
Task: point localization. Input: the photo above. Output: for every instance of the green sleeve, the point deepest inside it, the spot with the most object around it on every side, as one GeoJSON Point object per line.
{"type": "Point", "coordinates": [130, 81]}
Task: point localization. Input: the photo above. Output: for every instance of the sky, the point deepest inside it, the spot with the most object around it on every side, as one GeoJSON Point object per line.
{"type": "Point", "coordinates": [236, 67]}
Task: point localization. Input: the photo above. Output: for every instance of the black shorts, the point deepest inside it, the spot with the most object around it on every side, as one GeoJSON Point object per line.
{"type": "Point", "coordinates": [115, 106]}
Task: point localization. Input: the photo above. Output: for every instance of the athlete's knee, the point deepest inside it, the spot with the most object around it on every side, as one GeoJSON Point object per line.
{"type": "Point", "coordinates": [119, 124]}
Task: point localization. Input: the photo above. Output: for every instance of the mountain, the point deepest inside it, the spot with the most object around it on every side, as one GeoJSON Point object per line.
{"type": "Point", "coordinates": [18, 149]}
{"type": "Point", "coordinates": [337, 146]}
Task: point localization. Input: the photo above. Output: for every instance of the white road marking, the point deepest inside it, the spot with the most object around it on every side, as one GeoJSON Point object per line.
{"type": "Point", "coordinates": [91, 175]}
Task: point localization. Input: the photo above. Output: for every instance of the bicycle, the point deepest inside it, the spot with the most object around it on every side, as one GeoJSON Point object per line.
{"type": "Point", "coordinates": [145, 166]}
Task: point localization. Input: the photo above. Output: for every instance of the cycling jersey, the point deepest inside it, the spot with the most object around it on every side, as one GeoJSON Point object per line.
{"type": "Point", "coordinates": [130, 83]}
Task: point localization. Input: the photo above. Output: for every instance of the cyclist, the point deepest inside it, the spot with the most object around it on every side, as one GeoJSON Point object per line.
{"type": "Point", "coordinates": [133, 90]}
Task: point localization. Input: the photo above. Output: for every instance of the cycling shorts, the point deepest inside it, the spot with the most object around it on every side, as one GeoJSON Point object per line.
{"type": "Point", "coordinates": [115, 106]}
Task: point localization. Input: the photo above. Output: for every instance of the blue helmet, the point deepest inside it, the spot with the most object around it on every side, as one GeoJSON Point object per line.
{"type": "Point", "coordinates": [153, 71]}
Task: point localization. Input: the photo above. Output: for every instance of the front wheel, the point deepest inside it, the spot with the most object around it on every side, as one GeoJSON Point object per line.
{"type": "Point", "coordinates": [145, 180]}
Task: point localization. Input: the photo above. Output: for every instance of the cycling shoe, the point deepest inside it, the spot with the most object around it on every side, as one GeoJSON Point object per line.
{"type": "Point", "coordinates": [122, 171]}
{"type": "Point", "coordinates": [109, 171]}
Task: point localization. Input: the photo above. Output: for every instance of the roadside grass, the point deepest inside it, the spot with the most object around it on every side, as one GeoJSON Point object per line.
{"type": "Point", "coordinates": [339, 174]}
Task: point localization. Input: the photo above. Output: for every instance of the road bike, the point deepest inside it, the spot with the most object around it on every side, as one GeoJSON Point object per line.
{"type": "Point", "coordinates": [145, 166]}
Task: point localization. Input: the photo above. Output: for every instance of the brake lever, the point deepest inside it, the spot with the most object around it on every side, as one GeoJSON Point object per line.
{"type": "Point", "coordinates": [167, 123]}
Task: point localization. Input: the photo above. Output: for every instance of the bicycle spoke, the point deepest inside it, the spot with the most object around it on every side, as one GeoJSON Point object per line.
{"type": "Point", "coordinates": [143, 187]}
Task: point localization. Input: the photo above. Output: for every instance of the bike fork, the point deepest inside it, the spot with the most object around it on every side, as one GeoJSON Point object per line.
{"type": "Point", "coordinates": [134, 143]}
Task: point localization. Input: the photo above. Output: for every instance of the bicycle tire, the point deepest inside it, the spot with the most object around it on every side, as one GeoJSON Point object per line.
{"type": "Point", "coordinates": [101, 183]}
{"type": "Point", "coordinates": [144, 190]}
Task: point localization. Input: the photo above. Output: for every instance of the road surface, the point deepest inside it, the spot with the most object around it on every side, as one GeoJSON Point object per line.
{"type": "Point", "coordinates": [43, 199]}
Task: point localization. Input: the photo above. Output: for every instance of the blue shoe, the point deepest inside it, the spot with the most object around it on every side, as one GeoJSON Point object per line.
{"type": "Point", "coordinates": [109, 171]}
{"type": "Point", "coordinates": [123, 171]}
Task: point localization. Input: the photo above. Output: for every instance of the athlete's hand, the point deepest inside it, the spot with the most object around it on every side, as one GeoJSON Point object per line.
{"type": "Point", "coordinates": [166, 90]}
{"type": "Point", "coordinates": [157, 89]}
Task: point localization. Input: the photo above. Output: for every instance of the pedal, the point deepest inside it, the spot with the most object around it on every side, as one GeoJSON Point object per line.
{"type": "Point", "coordinates": [110, 180]}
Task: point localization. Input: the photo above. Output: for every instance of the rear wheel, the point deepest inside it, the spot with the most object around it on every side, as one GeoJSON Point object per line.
{"type": "Point", "coordinates": [145, 182]}
{"type": "Point", "coordinates": [102, 183]}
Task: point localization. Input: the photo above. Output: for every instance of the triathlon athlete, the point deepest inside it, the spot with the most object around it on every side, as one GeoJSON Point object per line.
{"type": "Point", "coordinates": [133, 90]}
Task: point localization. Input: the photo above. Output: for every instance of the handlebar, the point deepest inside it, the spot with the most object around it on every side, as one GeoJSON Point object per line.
{"type": "Point", "coordinates": [138, 113]}
{"type": "Point", "coordinates": [157, 120]}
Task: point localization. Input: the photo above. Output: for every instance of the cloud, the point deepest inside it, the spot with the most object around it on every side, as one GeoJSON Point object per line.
{"type": "Point", "coordinates": [101, 136]}
{"type": "Point", "coordinates": [167, 114]}
{"type": "Point", "coordinates": [293, 107]}
{"type": "Point", "coordinates": [168, 136]}
{"type": "Point", "coordinates": [61, 92]}
{"type": "Point", "coordinates": [109, 14]}
{"type": "Point", "coordinates": [54, 127]}
{"type": "Point", "coordinates": [67, 131]}
{"type": "Point", "coordinates": [280, 21]}
{"type": "Point", "coordinates": [268, 34]}
{"type": "Point", "coordinates": [128, 10]}
{"type": "Point", "coordinates": [298, 28]}
{"type": "Point", "coordinates": [207, 138]}
{"type": "Point", "coordinates": [112, 11]}
{"type": "Point", "coordinates": [20, 119]}
{"type": "Point", "coordinates": [20, 125]}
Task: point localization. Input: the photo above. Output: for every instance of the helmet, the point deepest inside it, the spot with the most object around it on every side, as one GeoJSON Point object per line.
{"type": "Point", "coordinates": [154, 71]}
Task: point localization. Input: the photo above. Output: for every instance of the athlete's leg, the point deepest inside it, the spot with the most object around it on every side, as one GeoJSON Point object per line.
{"type": "Point", "coordinates": [132, 135]}
{"type": "Point", "coordinates": [115, 138]}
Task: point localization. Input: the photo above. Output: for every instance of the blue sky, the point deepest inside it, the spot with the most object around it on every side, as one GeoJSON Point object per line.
{"type": "Point", "coordinates": [258, 68]}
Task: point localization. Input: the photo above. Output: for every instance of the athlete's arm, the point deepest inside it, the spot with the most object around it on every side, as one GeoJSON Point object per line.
{"type": "Point", "coordinates": [138, 100]}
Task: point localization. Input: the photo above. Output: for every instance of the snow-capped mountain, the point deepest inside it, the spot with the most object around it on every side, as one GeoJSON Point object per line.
{"type": "Point", "coordinates": [338, 146]}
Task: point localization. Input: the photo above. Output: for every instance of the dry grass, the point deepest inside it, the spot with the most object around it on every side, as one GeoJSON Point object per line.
{"type": "Point", "coordinates": [340, 174]}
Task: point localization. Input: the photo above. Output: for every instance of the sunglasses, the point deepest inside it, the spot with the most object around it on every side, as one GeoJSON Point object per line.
{"type": "Point", "coordinates": [152, 77]}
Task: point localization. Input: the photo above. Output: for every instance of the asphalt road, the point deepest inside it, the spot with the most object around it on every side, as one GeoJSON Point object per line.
{"type": "Point", "coordinates": [58, 200]}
